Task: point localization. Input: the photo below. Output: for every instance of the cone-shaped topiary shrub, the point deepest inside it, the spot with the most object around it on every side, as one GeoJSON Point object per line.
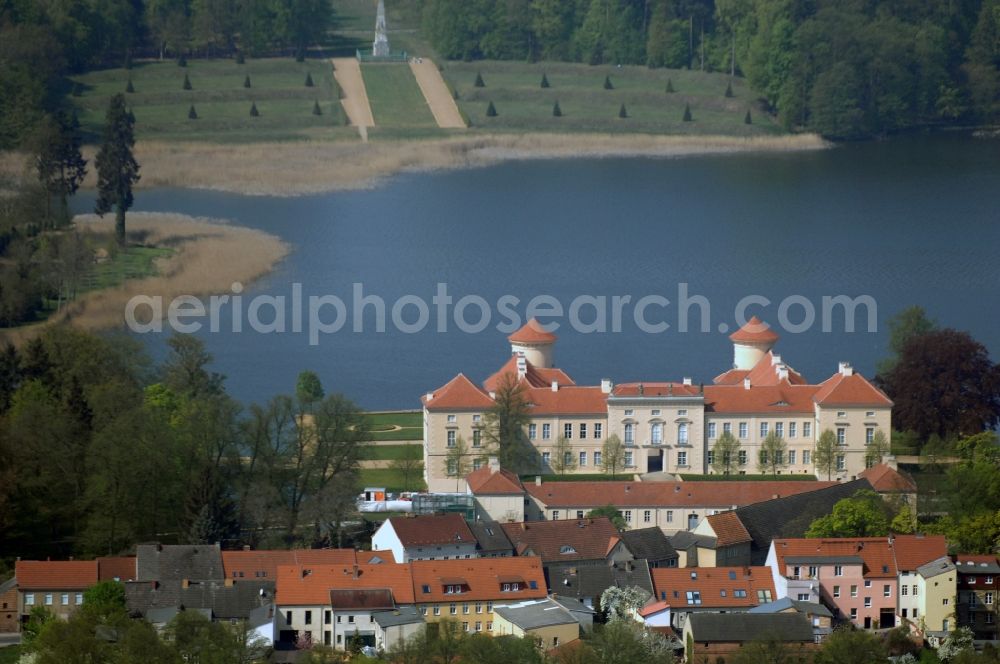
{"type": "Point", "coordinates": [545, 80]}
{"type": "Point", "coordinates": [747, 119]}
{"type": "Point", "coordinates": [253, 110]}
{"type": "Point", "coordinates": [491, 111]}
{"type": "Point", "coordinates": [129, 87]}
{"type": "Point", "coordinates": [187, 82]}
{"type": "Point", "coordinates": [246, 81]}
{"type": "Point", "coordinates": [670, 86]}
{"type": "Point", "coordinates": [607, 83]}
{"type": "Point", "coordinates": [556, 111]}
{"type": "Point", "coordinates": [309, 80]}
{"type": "Point", "coordinates": [480, 83]}
{"type": "Point", "coordinates": [729, 89]}
{"type": "Point", "coordinates": [316, 109]}
{"type": "Point", "coordinates": [622, 112]}
{"type": "Point", "coordinates": [687, 113]}
{"type": "Point", "coordinates": [192, 114]}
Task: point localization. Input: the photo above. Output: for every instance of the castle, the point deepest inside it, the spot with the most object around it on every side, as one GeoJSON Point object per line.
{"type": "Point", "coordinates": [665, 426]}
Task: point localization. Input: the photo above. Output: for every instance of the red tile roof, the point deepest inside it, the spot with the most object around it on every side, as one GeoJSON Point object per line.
{"type": "Point", "coordinates": [728, 529]}
{"type": "Point", "coordinates": [432, 529]}
{"type": "Point", "coordinates": [310, 585]}
{"type": "Point", "coordinates": [487, 482]}
{"type": "Point", "coordinates": [665, 494]}
{"type": "Point", "coordinates": [264, 564]}
{"type": "Point", "coordinates": [122, 568]}
{"type": "Point", "coordinates": [875, 552]}
{"type": "Point", "coordinates": [532, 333]}
{"type": "Point", "coordinates": [55, 574]}
{"type": "Point", "coordinates": [912, 551]}
{"type": "Point", "coordinates": [765, 372]}
{"type": "Point", "coordinates": [564, 540]}
{"type": "Point", "coordinates": [755, 331]}
{"type": "Point", "coordinates": [731, 377]}
{"type": "Point", "coordinates": [782, 398]}
{"type": "Point", "coordinates": [655, 389]}
{"type": "Point", "coordinates": [888, 480]}
{"type": "Point", "coordinates": [458, 393]}
{"type": "Point", "coordinates": [850, 390]}
{"type": "Point", "coordinates": [480, 579]}
{"type": "Point", "coordinates": [536, 376]}
{"type": "Point", "coordinates": [570, 400]}
{"type": "Point", "coordinates": [717, 585]}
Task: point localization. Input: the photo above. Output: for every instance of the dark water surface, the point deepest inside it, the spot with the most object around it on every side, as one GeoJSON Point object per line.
{"type": "Point", "coordinates": [909, 221]}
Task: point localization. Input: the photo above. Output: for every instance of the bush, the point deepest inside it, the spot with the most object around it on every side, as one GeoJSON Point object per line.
{"type": "Point", "coordinates": [316, 109]}
{"type": "Point", "coordinates": [309, 80]}
{"type": "Point", "coordinates": [729, 89]}
{"type": "Point", "coordinates": [687, 113]}
{"type": "Point", "coordinates": [480, 83]}
{"type": "Point", "coordinates": [192, 114]}
{"type": "Point", "coordinates": [747, 119]}
{"type": "Point", "coordinates": [622, 113]}
{"type": "Point", "coordinates": [670, 86]}
{"type": "Point", "coordinates": [187, 82]}
{"type": "Point", "coordinates": [607, 83]}
{"type": "Point", "coordinates": [182, 61]}
{"type": "Point", "coordinates": [545, 80]}
{"type": "Point", "coordinates": [246, 81]}
{"type": "Point", "coordinates": [556, 111]}
{"type": "Point", "coordinates": [491, 111]}
{"type": "Point", "coordinates": [240, 58]}
{"type": "Point", "coordinates": [253, 110]}
{"type": "Point", "coordinates": [129, 87]}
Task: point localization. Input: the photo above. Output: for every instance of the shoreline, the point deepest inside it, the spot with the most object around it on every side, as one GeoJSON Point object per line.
{"type": "Point", "coordinates": [209, 256]}
{"type": "Point", "coordinates": [296, 168]}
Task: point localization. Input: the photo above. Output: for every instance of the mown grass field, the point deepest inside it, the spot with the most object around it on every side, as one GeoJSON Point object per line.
{"type": "Point", "coordinates": [383, 426]}
{"type": "Point", "coordinates": [393, 480]}
{"type": "Point", "coordinates": [523, 105]}
{"type": "Point", "coordinates": [392, 452]}
{"type": "Point", "coordinates": [222, 103]}
{"type": "Point", "coordinates": [395, 97]}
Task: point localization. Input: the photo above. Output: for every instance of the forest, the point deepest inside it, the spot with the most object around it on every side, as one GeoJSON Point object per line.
{"type": "Point", "coordinates": [848, 69]}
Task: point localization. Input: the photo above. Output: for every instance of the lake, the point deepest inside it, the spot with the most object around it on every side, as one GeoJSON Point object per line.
{"type": "Point", "coordinates": [907, 221]}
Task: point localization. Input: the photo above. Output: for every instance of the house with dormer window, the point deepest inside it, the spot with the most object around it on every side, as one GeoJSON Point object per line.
{"type": "Point", "coordinates": [426, 537]}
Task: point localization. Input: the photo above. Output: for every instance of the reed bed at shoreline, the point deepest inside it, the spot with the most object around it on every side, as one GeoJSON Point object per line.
{"type": "Point", "coordinates": [209, 255]}
{"type": "Point", "coordinates": [310, 167]}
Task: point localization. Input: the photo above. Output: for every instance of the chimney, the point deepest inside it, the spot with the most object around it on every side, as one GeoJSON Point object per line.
{"type": "Point", "coordinates": [494, 464]}
{"type": "Point", "coordinates": [185, 583]}
{"type": "Point", "coordinates": [687, 380]}
{"type": "Point", "coordinates": [746, 383]}
{"type": "Point", "coordinates": [229, 583]}
{"type": "Point", "coordinates": [538, 480]}
{"type": "Point", "coordinates": [845, 369]}
{"type": "Point", "coordinates": [775, 359]}
{"type": "Point", "coordinates": [429, 396]}
{"type": "Point", "coordinates": [782, 372]}
{"type": "Point", "coordinates": [606, 385]}
{"type": "Point", "coordinates": [357, 572]}
{"type": "Point", "coordinates": [522, 366]}
{"type": "Point", "coordinates": [555, 386]}
{"type": "Point", "coordinates": [246, 547]}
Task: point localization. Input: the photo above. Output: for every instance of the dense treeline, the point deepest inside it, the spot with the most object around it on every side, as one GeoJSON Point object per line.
{"type": "Point", "coordinates": [99, 450]}
{"type": "Point", "coordinates": [42, 42]}
{"type": "Point", "coordinates": [846, 69]}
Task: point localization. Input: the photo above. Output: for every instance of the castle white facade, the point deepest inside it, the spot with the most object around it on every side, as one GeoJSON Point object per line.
{"type": "Point", "coordinates": [666, 426]}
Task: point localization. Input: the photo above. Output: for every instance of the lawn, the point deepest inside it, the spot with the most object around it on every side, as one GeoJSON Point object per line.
{"type": "Point", "coordinates": [10, 654]}
{"type": "Point", "coordinates": [392, 452]}
{"type": "Point", "coordinates": [392, 479]}
{"type": "Point", "coordinates": [221, 101]}
{"type": "Point", "coordinates": [523, 105]}
{"type": "Point", "coordinates": [395, 97]}
{"type": "Point", "coordinates": [383, 426]}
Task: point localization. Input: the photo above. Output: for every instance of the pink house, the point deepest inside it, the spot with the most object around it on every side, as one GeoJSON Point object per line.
{"type": "Point", "coordinates": [856, 577]}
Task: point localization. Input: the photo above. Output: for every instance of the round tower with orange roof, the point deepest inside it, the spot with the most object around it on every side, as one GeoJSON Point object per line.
{"type": "Point", "coordinates": [535, 343]}
{"type": "Point", "coordinates": [751, 343]}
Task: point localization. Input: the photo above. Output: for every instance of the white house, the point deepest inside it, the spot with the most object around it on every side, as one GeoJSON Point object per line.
{"type": "Point", "coordinates": [431, 537]}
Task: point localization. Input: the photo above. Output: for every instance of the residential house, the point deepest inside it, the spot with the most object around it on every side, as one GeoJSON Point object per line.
{"type": "Point", "coordinates": [583, 613]}
{"type": "Point", "coordinates": [711, 637]}
{"type": "Point", "coordinates": [666, 426]}
{"type": "Point", "coordinates": [691, 548]}
{"type": "Point", "coordinates": [935, 591]}
{"type": "Point", "coordinates": [911, 553]}
{"type": "Point", "coordinates": [9, 619]}
{"type": "Point", "coordinates": [568, 540]}
{"type": "Point", "coordinates": [491, 541]}
{"type": "Point", "coordinates": [651, 545]}
{"type": "Point", "coordinates": [226, 600]}
{"type": "Point", "coordinates": [820, 617]}
{"type": "Point", "coordinates": [250, 563]}
{"type": "Point", "coordinates": [732, 541]}
{"type": "Point", "coordinates": [858, 578]}
{"type": "Point", "coordinates": [176, 562]}
{"type": "Point", "coordinates": [544, 620]}
{"type": "Point", "coordinates": [682, 592]}
{"type": "Point", "coordinates": [670, 506]}
{"type": "Point", "coordinates": [498, 494]}
{"type": "Point", "coordinates": [586, 580]}
{"type": "Point", "coordinates": [468, 590]}
{"type": "Point", "coordinates": [895, 486]}
{"type": "Point", "coordinates": [396, 625]}
{"type": "Point", "coordinates": [117, 568]}
{"type": "Point", "coordinates": [58, 585]}
{"type": "Point", "coordinates": [425, 537]}
{"type": "Point", "coordinates": [332, 604]}
{"type": "Point", "coordinates": [978, 577]}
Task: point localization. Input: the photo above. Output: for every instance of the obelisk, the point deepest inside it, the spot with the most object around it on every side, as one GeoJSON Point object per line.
{"type": "Point", "coordinates": [380, 47]}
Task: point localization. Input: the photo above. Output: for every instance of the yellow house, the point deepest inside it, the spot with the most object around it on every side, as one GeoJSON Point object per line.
{"type": "Point", "coordinates": [935, 589]}
{"type": "Point", "coordinates": [548, 622]}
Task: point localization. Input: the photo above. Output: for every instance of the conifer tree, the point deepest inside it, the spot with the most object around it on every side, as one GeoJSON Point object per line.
{"type": "Point", "coordinates": [747, 119]}
{"type": "Point", "coordinates": [670, 86]}
{"type": "Point", "coordinates": [253, 110]}
{"type": "Point", "coordinates": [480, 83]}
{"type": "Point", "coordinates": [192, 114]}
{"type": "Point", "coordinates": [187, 82]}
{"type": "Point", "coordinates": [246, 81]}
{"type": "Point", "coordinates": [129, 88]}
{"type": "Point", "coordinates": [545, 80]}
{"type": "Point", "coordinates": [556, 111]}
{"type": "Point", "coordinates": [687, 113]}
{"type": "Point", "coordinates": [316, 109]}
{"type": "Point", "coordinates": [309, 80]}
{"type": "Point", "coordinates": [607, 83]}
{"type": "Point", "coordinates": [491, 111]}
{"type": "Point", "coordinates": [117, 169]}
{"type": "Point", "coordinates": [622, 113]}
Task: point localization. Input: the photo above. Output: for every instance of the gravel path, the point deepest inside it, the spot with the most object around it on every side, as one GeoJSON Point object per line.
{"type": "Point", "coordinates": [436, 93]}
{"type": "Point", "coordinates": [347, 71]}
